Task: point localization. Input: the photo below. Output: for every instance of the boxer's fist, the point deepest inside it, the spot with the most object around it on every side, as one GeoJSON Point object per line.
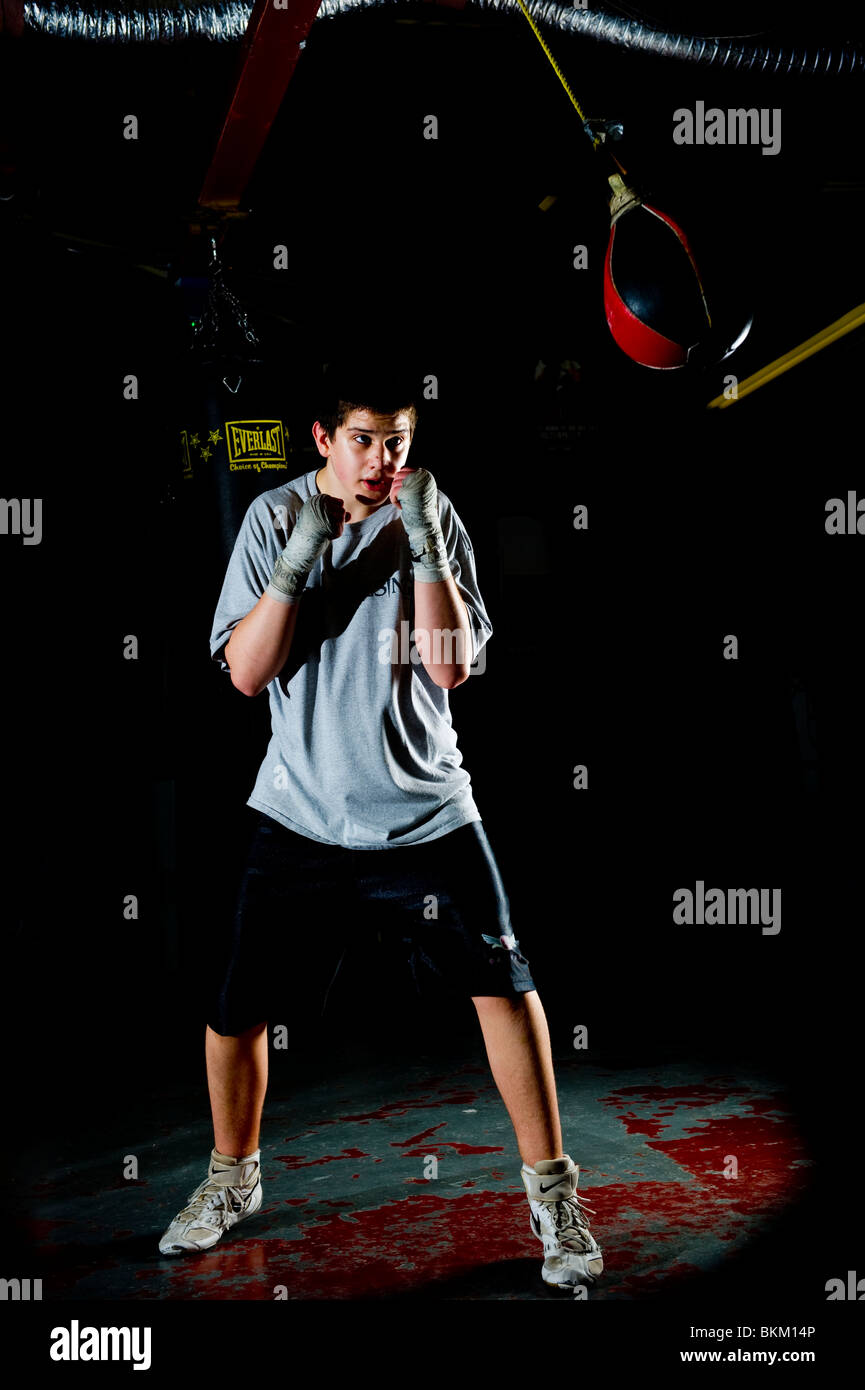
{"type": "Point", "coordinates": [321, 518]}
{"type": "Point", "coordinates": [414, 491]}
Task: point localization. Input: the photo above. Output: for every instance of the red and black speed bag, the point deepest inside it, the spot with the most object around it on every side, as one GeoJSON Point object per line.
{"type": "Point", "coordinates": [653, 294]}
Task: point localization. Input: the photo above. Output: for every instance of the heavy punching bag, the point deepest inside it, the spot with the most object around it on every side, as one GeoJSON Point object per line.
{"type": "Point", "coordinates": [232, 406]}
{"type": "Point", "coordinates": [238, 403]}
{"type": "Point", "coordinates": [234, 443]}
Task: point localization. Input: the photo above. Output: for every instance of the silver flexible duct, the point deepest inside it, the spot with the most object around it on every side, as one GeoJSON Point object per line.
{"type": "Point", "coordinates": [222, 22]}
{"type": "Point", "coordinates": [226, 21]}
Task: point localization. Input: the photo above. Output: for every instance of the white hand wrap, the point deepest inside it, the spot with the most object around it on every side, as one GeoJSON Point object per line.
{"type": "Point", "coordinates": [418, 498]}
{"type": "Point", "coordinates": [314, 527]}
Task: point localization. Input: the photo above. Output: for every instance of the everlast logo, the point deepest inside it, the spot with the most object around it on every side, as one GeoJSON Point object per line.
{"type": "Point", "coordinates": [254, 441]}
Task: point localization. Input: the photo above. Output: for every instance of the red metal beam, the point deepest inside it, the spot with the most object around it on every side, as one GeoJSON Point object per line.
{"type": "Point", "coordinates": [268, 56]}
{"type": "Point", "coordinates": [12, 18]}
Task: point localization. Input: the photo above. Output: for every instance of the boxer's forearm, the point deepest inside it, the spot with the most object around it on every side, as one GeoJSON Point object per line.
{"type": "Point", "coordinates": [442, 632]}
{"type": "Point", "coordinates": [260, 643]}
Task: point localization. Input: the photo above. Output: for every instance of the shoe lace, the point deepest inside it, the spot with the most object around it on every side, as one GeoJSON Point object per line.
{"type": "Point", "coordinates": [569, 1216]}
{"type": "Point", "coordinates": [207, 1198]}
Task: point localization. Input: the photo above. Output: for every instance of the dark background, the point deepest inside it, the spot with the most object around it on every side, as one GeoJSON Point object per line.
{"type": "Point", "coordinates": [131, 776]}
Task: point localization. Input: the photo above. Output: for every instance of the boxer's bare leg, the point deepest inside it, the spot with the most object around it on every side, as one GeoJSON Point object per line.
{"type": "Point", "coordinates": [237, 1081]}
{"type": "Point", "coordinates": [517, 1040]}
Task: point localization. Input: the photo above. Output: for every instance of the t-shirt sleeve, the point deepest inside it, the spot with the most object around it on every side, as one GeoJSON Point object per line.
{"type": "Point", "coordinates": [260, 541]}
{"type": "Point", "coordinates": [461, 558]}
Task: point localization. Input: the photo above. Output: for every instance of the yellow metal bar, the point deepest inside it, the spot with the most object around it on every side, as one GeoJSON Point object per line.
{"type": "Point", "coordinates": [830, 334]}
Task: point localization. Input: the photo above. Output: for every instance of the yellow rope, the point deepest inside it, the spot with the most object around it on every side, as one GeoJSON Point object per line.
{"type": "Point", "coordinates": [542, 41]}
{"type": "Point", "coordinates": [827, 335]}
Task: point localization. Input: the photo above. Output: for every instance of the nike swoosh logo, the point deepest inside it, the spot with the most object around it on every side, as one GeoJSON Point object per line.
{"type": "Point", "coordinates": [550, 1187]}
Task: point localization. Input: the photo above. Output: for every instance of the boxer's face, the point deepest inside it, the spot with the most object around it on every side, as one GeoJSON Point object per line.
{"type": "Point", "coordinates": [363, 459]}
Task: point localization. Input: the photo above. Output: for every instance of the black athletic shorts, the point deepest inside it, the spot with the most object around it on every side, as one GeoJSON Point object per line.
{"type": "Point", "coordinates": [301, 904]}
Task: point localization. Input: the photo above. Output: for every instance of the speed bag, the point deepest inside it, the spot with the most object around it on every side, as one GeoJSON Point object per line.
{"type": "Point", "coordinates": [653, 294]}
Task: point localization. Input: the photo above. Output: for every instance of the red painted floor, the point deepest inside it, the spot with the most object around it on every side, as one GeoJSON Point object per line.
{"type": "Point", "coordinates": [683, 1166]}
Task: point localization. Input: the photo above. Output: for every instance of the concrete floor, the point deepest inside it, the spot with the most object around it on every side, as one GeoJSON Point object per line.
{"type": "Point", "coordinates": [349, 1214]}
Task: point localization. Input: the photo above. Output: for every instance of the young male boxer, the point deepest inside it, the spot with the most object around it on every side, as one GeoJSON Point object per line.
{"type": "Point", "coordinates": [361, 798]}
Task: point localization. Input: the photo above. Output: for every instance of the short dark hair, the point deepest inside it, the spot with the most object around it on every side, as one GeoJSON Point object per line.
{"type": "Point", "coordinates": [379, 384]}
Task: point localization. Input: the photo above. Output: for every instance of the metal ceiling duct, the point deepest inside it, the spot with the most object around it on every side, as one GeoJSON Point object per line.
{"type": "Point", "coordinates": [226, 21]}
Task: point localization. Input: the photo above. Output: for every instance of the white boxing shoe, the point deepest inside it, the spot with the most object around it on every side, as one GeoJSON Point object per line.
{"type": "Point", "coordinates": [572, 1255]}
{"type": "Point", "coordinates": [230, 1193]}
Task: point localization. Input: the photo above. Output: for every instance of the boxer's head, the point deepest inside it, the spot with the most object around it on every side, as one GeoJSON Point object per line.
{"type": "Point", "coordinates": [378, 385]}
{"type": "Point", "coordinates": [366, 423]}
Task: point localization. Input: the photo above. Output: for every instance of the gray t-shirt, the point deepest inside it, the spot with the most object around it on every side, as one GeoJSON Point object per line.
{"type": "Point", "coordinates": [362, 752]}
